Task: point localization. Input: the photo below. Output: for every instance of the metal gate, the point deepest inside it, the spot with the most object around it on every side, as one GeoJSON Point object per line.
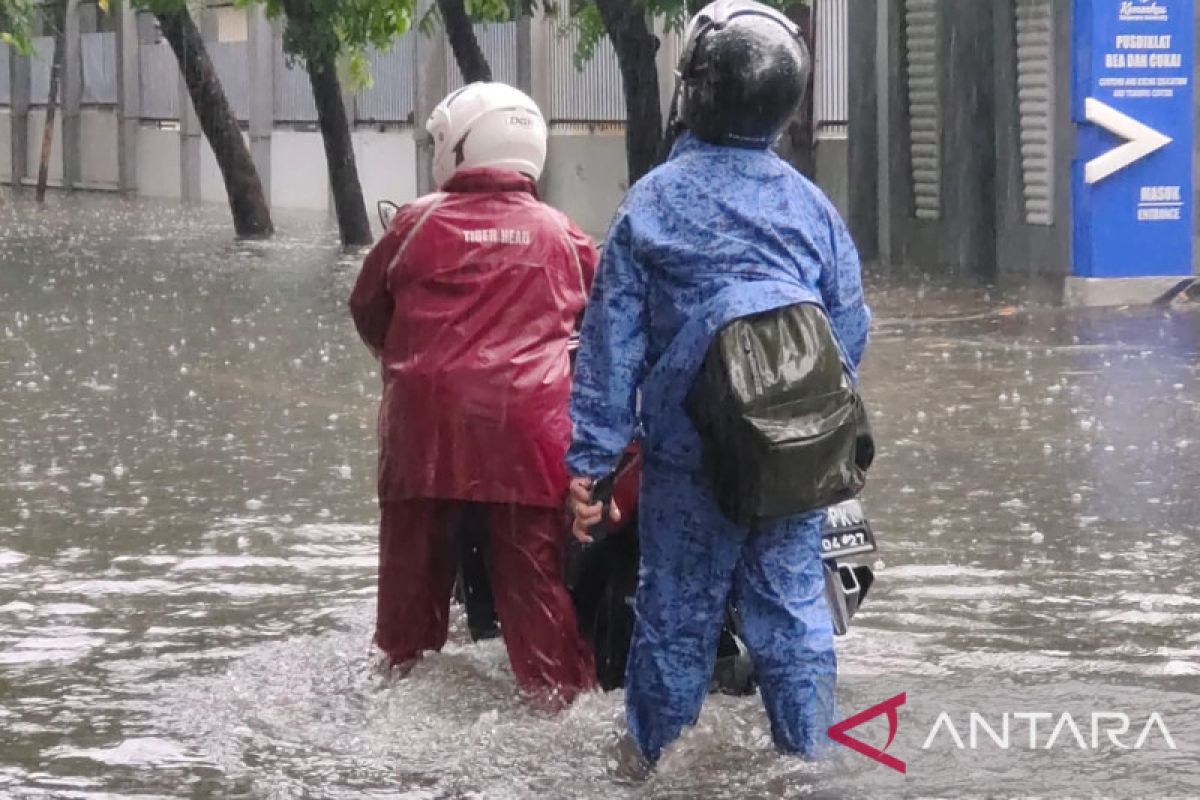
{"type": "Point", "coordinates": [924, 106]}
{"type": "Point", "coordinates": [1035, 97]}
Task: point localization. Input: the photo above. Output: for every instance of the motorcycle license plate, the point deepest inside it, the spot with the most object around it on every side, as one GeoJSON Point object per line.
{"type": "Point", "coordinates": [847, 531]}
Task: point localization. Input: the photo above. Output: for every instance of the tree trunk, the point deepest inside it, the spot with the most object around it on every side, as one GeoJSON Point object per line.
{"type": "Point", "coordinates": [472, 63]}
{"type": "Point", "coordinates": [353, 223]}
{"type": "Point", "coordinates": [308, 25]}
{"type": "Point", "coordinates": [247, 202]}
{"type": "Point", "coordinates": [636, 46]}
{"type": "Point", "coordinates": [56, 69]}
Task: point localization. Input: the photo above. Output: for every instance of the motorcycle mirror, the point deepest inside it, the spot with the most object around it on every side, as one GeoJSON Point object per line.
{"type": "Point", "coordinates": [387, 212]}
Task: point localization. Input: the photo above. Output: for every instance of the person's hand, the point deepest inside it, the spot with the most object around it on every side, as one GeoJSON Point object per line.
{"type": "Point", "coordinates": [587, 514]}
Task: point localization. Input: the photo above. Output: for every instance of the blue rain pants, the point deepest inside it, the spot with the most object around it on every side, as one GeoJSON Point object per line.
{"type": "Point", "coordinates": [692, 560]}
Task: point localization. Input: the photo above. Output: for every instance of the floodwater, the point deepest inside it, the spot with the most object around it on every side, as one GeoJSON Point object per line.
{"type": "Point", "coordinates": [187, 556]}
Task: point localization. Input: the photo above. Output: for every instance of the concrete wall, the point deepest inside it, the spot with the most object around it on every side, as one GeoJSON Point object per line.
{"type": "Point", "coordinates": [212, 185]}
{"type": "Point", "coordinates": [586, 176]}
{"type": "Point", "coordinates": [158, 163]}
{"type": "Point", "coordinates": [585, 171]}
{"type": "Point", "coordinates": [832, 172]}
{"type": "Point", "coordinates": [98, 147]}
{"type": "Point", "coordinates": [386, 168]}
{"type": "Point", "coordinates": [37, 124]}
{"type": "Point", "coordinates": [298, 171]}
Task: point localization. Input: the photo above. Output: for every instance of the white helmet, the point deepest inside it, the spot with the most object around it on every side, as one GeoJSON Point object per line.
{"type": "Point", "coordinates": [487, 125]}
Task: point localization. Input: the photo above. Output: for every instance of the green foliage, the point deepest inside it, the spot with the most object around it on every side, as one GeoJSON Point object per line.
{"type": "Point", "coordinates": [355, 70]}
{"type": "Point", "coordinates": [491, 10]}
{"type": "Point", "coordinates": [584, 17]}
{"type": "Point", "coordinates": [480, 11]}
{"type": "Point", "coordinates": [586, 20]}
{"type": "Point", "coordinates": [339, 29]}
{"type": "Point", "coordinates": [16, 23]}
{"type": "Point", "coordinates": [673, 12]}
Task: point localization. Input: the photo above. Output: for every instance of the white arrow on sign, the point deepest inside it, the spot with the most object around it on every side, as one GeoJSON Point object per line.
{"type": "Point", "coordinates": [1143, 140]}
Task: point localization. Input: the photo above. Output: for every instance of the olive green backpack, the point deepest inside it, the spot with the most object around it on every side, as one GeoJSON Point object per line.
{"type": "Point", "coordinates": [783, 427]}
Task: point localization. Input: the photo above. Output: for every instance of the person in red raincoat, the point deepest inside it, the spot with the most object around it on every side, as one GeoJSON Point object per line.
{"type": "Point", "coordinates": [470, 300]}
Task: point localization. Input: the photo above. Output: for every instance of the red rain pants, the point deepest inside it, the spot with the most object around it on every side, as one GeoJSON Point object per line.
{"type": "Point", "coordinates": [417, 568]}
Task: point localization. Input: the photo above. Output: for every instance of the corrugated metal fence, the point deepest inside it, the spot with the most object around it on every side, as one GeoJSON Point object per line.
{"type": "Point", "coordinates": [98, 52]}
{"type": "Point", "coordinates": [499, 44]}
{"type": "Point", "coordinates": [831, 102]}
{"type": "Point", "coordinates": [592, 94]}
{"type": "Point", "coordinates": [5, 92]}
{"type": "Point", "coordinates": [99, 55]}
{"type": "Point", "coordinates": [293, 93]}
{"type": "Point", "coordinates": [39, 70]}
{"type": "Point", "coordinates": [232, 61]}
{"type": "Point", "coordinates": [158, 74]}
{"type": "Point", "coordinates": [390, 98]}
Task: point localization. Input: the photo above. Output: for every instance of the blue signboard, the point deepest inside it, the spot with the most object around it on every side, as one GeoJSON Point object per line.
{"type": "Point", "coordinates": [1133, 106]}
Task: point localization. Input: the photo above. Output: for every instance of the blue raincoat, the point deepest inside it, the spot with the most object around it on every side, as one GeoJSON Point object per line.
{"type": "Point", "coordinates": [714, 234]}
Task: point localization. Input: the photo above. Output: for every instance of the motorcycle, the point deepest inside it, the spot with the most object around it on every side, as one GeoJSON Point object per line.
{"type": "Point", "coordinates": [602, 578]}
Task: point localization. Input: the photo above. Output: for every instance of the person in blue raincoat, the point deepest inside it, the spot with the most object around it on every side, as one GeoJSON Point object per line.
{"type": "Point", "coordinates": [723, 229]}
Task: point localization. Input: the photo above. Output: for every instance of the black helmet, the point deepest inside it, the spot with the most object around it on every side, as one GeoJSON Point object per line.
{"type": "Point", "coordinates": [743, 73]}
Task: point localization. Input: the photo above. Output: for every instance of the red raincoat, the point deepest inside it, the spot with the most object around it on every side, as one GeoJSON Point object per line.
{"type": "Point", "coordinates": [469, 300]}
